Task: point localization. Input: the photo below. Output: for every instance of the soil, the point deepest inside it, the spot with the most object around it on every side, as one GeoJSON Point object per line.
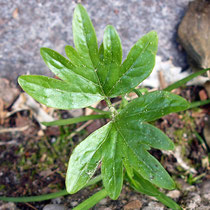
{"type": "Point", "coordinates": [33, 160]}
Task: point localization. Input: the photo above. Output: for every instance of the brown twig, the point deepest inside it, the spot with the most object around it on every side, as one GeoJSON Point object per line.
{"type": "Point", "coordinates": [12, 142]}
{"type": "Point", "coordinates": [6, 130]}
{"type": "Point", "coordinates": [162, 80]}
{"type": "Point", "coordinates": [28, 204]}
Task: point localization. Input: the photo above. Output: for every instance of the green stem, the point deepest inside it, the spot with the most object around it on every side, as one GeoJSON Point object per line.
{"type": "Point", "coordinates": [46, 196]}
{"type": "Point", "coordinates": [98, 110]}
{"type": "Point", "coordinates": [203, 142]}
{"type": "Point", "coordinates": [92, 201]}
{"type": "Point", "coordinates": [108, 102]}
{"type": "Point", "coordinates": [111, 108]}
{"type": "Point", "coordinates": [94, 181]}
{"type": "Point", "coordinates": [76, 119]}
{"type": "Point", "coordinates": [35, 198]}
{"type": "Point", "coordinates": [138, 93]}
{"type": "Point", "coordinates": [185, 80]}
{"type": "Point", "coordinates": [199, 103]}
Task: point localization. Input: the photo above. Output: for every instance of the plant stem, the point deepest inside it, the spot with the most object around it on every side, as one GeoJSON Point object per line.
{"type": "Point", "coordinates": [91, 201]}
{"type": "Point", "coordinates": [98, 110]}
{"type": "Point", "coordinates": [185, 80]}
{"type": "Point", "coordinates": [35, 198]}
{"type": "Point", "coordinates": [108, 102]}
{"type": "Point", "coordinates": [203, 142]}
{"type": "Point", "coordinates": [199, 103]}
{"type": "Point", "coordinates": [94, 180]}
{"type": "Point", "coordinates": [46, 196]}
{"type": "Point", "coordinates": [111, 108]}
{"type": "Point", "coordinates": [138, 93]}
{"type": "Point", "coordinates": [76, 119]}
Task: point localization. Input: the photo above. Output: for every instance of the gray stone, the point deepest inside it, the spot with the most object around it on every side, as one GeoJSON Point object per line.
{"type": "Point", "coordinates": [174, 194]}
{"type": "Point", "coordinates": [194, 33]}
{"type": "Point", "coordinates": [74, 203]}
{"type": "Point", "coordinates": [76, 112]}
{"type": "Point", "coordinates": [205, 190]}
{"type": "Point", "coordinates": [54, 207]}
{"type": "Point", "coordinates": [206, 131]}
{"type": "Point", "coordinates": [193, 201]}
{"type": "Point", "coordinates": [5, 206]}
{"type": "Point", "coordinates": [154, 206]}
{"type": "Point", "coordinates": [56, 200]}
{"type": "Point", "coordinates": [8, 92]}
{"type": "Point", "coordinates": [28, 25]}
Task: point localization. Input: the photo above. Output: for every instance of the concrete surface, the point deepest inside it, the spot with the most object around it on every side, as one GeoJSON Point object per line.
{"type": "Point", "coordinates": [27, 25]}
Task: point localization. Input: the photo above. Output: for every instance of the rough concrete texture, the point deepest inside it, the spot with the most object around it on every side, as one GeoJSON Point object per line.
{"type": "Point", "coordinates": [25, 26]}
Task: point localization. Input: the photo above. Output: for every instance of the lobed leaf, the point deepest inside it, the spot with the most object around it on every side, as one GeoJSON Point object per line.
{"type": "Point", "coordinates": [92, 75]}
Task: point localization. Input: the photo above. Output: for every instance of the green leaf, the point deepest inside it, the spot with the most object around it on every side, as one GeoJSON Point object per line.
{"type": "Point", "coordinates": [126, 139]}
{"type": "Point", "coordinates": [143, 133]}
{"type": "Point", "coordinates": [152, 106]}
{"type": "Point", "coordinates": [87, 80]}
{"type": "Point", "coordinates": [72, 54]}
{"type": "Point", "coordinates": [65, 70]}
{"type": "Point", "coordinates": [112, 46]}
{"type": "Point", "coordinates": [59, 94]}
{"type": "Point", "coordinates": [59, 65]}
{"type": "Point", "coordinates": [84, 37]}
{"type": "Point", "coordinates": [112, 168]}
{"type": "Point", "coordinates": [185, 80]}
{"type": "Point", "coordinates": [146, 164]}
{"type": "Point", "coordinates": [111, 51]}
{"type": "Point", "coordinates": [85, 159]}
{"type": "Point", "coordinates": [137, 134]}
{"type": "Point", "coordinates": [137, 66]}
{"type": "Point", "coordinates": [101, 53]}
{"type": "Point", "coordinates": [101, 146]}
{"type": "Point", "coordinates": [143, 186]}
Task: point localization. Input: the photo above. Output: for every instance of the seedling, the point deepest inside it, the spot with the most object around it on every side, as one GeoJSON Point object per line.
{"type": "Point", "coordinates": [121, 147]}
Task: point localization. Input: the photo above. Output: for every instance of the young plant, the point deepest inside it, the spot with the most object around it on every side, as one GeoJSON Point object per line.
{"type": "Point", "coordinates": [121, 146]}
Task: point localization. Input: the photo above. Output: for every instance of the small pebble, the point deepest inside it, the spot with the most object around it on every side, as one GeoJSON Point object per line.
{"type": "Point", "coordinates": [174, 194]}
{"type": "Point", "coordinates": [136, 204]}
{"type": "Point", "coordinates": [54, 207]}
{"type": "Point", "coordinates": [103, 201]}
{"type": "Point", "coordinates": [74, 203]}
